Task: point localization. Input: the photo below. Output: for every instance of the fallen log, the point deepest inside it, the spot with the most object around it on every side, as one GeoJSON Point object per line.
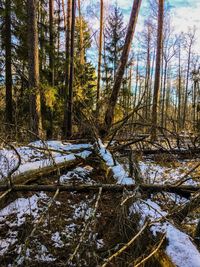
{"type": "Point", "coordinates": [182, 213]}
{"type": "Point", "coordinates": [149, 210]}
{"type": "Point", "coordinates": [60, 151]}
{"type": "Point", "coordinates": [171, 151]}
{"type": "Point", "coordinates": [115, 188]}
{"type": "Point", "coordinates": [33, 175]}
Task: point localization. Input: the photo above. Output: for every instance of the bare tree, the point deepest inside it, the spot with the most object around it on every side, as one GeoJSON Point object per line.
{"type": "Point", "coordinates": [158, 69]}
{"type": "Point", "coordinates": [189, 42]}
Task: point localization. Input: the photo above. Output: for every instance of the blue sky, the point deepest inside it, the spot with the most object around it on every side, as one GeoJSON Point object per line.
{"type": "Point", "coordinates": [185, 14]}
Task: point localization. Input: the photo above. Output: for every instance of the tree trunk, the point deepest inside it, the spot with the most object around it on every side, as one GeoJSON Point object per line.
{"type": "Point", "coordinates": [71, 77]}
{"type": "Point", "coordinates": [67, 54]}
{"type": "Point", "coordinates": [186, 88]}
{"type": "Point", "coordinates": [122, 66]}
{"type": "Point", "coordinates": [100, 56]}
{"type": "Point", "coordinates": [82, 60]}
{"type": "Point", "coordinates": [179, 89]}
{"type": "Point", "coordinates": [158, 68]}
{"type": "Point", "coordinates": [33, 58]}
{"type": "Point", "coordinates": [8, 63]}
{"type": "Point", "coordinates": [51, 41]}
{"type": "Point", "coordinates": [163, 115]}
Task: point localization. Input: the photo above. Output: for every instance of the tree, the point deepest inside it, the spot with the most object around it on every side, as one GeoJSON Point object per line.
{"type": "Point", "coordinates": [113, 46]}
{"type": "Point", "coordinates": [33, 68]}
{"type": "Point", "coordinates": [71, 77]}
{"type": "Point", "coordinates": [158, 69]}
{"type": "Point", "coordinates": [67, 59]}
{"type": "Point", "coordinates": [99, 56]}
{"type": "Point", "coordinates": [8, 62]}
{"type": "Point", "coordinates": [122, 65]}
{"type": "Point", "coordinates": [189, 42]}
{"type": "Point", "coordinates": [51, 42]}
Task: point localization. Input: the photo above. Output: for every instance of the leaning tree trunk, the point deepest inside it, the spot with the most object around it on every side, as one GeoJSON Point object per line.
{"type": "Point", "coordinates": [122, 66]}
{"type": "Point", "coordinates": [33, 69]}
{"type": "Point", "coordinates": [8, 63]}
{"type": "Point", "coordinates": [158, 68]}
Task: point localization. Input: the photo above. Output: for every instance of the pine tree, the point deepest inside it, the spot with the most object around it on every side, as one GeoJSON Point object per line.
{"type": "Point", "coordinates": [113, 44]}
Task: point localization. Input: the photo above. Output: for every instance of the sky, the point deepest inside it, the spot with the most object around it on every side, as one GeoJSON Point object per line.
{"type": "Point", "coordinates": [184, 13]}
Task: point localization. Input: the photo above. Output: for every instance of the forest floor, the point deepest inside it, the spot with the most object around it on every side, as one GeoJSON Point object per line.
{"type": "Point", "coordinates": [84, 229]}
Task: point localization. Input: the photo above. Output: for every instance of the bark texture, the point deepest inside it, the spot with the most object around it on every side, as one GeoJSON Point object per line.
{"type": "Point", "coordinates": [33, 68]}
{"type": "Point", "coordinates": [158, 69]}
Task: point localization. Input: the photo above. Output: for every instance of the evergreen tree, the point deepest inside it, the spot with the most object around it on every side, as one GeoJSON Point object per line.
{"type": "Point", "coordinates": [113, 44]}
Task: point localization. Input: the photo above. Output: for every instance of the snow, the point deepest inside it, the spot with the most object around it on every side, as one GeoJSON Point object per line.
{"type": "Point", "coordinates": [32, 159]}
{"type": "Point", "coordinates": [82, 211]}
{"type": "Point", "coordinates": [18, 210]}
{"type": "Point", "coordinates": [22, 207]}
{"type": "Point", "coordinates": [118, 171]}
{"type": "Point", "coordinates": [57, 240]}
{"type": "Point", "coordinates": [58, 145]}
{"type": "Point", "coordinates": [79, 174]}
{"type": "Point", "coordinates": [180, 248]}
{"type": "Point", "coordinates": [157, 174]}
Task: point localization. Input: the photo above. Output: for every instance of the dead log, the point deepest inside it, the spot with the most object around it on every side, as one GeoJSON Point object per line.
{"type": "Point", "coordinates": [190, 151]}
{"type": "Point", "coordinates": [115, 188]}
{"type": "Point", "coordinates": [33, 175]}
{"type": "Point", "coordinates": [60, 151]}
{"type": "Point", "coordinates": [149, 210]}
{"type": "Point", "coordinates": [197, 235]}
{"type": "Point", "coordinates": [182, 213]}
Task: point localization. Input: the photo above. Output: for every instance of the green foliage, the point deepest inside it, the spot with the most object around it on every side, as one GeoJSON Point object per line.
{"type": "Point", "coordinates": [85, 75]}
{"type": "Point", "coordinates": [114, 41]}
{"type": "Point", "coordinates": [50, 95]}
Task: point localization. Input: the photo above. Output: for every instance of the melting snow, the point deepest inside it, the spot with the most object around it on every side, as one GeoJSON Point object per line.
{"type": "Point", "coordinates": [119, 173]}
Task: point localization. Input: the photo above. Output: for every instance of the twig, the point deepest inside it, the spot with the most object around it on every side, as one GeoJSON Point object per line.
{"type": "Point", "coordinates": [86, 226]}
{"type": "Point", "coordinates": [152, 253]}
{"type": "Point", "coordinates": [116, 254]}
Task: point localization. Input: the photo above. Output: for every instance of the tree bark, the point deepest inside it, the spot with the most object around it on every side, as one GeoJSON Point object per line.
{"type": "Point", "coordinates": [100, 56]}
{"type": "Point", "coordinates": [158, 69]}
{"type": "Point", "coordinates": [122, 66]}
{"type": "Point", "coordinates": [33, 68]}
{"type": "Point", "coordinates": [51, 41]}
{"type": "Point", "coordinates": [67, 54]}
{"type": "Point", "coordinates": [8, 62]}
{"type": "Point", "coordinates": [85, 188]}
{"type": "Point", "coordinates": [71, 76]}
{"type": "Point", "coordinates": [82, 60]}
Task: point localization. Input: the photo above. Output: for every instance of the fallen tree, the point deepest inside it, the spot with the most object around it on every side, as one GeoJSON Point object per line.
{"type": "Point", "coordinates": [184, 190]}
{"type": "Point", "coordinates": [33, 175]}
{"type": "Point", "coordinates": [148, 210]}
